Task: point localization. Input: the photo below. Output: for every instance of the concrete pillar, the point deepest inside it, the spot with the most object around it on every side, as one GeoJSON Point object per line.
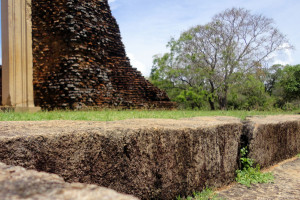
{"type": "Point", "coordinates": [17, 64]}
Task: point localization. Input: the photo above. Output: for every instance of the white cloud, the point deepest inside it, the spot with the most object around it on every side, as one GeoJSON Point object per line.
{"type": "Point", "coordinates": [283, 57]}
{"type": "Point", "coordinates": [137, 64]}
{"type": "Point", "coordinates": [110, 1]}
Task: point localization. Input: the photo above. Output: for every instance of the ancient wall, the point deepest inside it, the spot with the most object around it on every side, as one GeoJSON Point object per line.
{"type": "Point", "coordinates": [18, 183]}
{"type": "Point", "coordinates": [149, 158]}
{"type": "Point", "coordinates": [80, 60]}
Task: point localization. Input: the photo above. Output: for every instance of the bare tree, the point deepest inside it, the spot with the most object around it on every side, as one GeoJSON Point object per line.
{"type": "Point", "coordinates": [235, 42]}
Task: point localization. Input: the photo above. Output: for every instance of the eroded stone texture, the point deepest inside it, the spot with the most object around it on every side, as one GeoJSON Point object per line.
{"type": "Point", "coordinates": [17, 183]}
{"type": "Point", "coordinates": [273, 139]}
{"type": "Point", "coordinates": [80, 60]}
{"type": "Point", "coordinates": [150, 158]}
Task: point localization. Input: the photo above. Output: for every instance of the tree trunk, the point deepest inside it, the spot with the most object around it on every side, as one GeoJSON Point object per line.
{"type": "Point", "coordinates": [223, 99]}
{"type": "Point", "coordinates": [210, 98]}
{"type": "Point", "coordinates": [223, 102]}
{"type": "Point", "coordinates": [212, 104]}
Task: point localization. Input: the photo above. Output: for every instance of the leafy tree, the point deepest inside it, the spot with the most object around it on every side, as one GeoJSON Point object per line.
{"type": "Point", "coordinates": [273, 75]}
{"type": "Point", "coordinates": [250, 94]}
{"type": "Point", "coordinates": [192, 98]}
{"type": "Point", "coordinates": [290, 82]}
{"type": "Point", "coordinates": [213, 56]}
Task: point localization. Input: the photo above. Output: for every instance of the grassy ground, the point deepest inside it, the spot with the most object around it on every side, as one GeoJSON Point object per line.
{"type": "Point", "coordinates": [111, 115]}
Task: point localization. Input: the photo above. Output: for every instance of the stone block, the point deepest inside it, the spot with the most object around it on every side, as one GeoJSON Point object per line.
{"type": "Point", "coordinates": [148, 158]}
{"type": "Point", "coordinates": [273, 139]}
{"type": "Point", "coordinates": [17, 183]}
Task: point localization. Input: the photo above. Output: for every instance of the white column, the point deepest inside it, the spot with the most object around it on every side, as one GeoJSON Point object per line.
{"type": "Point", "coordinates": [17, 73]}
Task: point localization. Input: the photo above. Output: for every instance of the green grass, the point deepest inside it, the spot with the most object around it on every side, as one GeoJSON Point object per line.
{"type": "Point", "coordinates": [250, 175]}
{"type": "Point", "coordinates": [207, 194]}
{"type": "Point", "coordinates": [253, 176]}
{"type": "Point", "coordinates": [298, 155]}
{"type": "Point", "coordinates": [112, 115]}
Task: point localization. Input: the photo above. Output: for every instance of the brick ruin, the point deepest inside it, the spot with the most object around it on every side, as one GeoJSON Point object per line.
{"type": "Point", "coordinates": [79, 59]}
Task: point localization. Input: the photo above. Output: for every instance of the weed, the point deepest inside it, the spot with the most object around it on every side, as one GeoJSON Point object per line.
{"type": "Point", "coordinates": [249, 174]}
{"type": "Point", "coordinates": [207, 194]}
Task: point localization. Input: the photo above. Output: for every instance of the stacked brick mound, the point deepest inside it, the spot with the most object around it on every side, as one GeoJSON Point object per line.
{"type": "Point", "coordinates": [80, 60]}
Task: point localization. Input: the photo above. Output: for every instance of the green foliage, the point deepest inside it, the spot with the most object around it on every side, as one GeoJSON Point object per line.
{"type": "Point", "coordinates": [290, 82]}
{"type": "Point", "coordinates": [283, 83]}
{"type": "Point", "coordinates": [192, 98]}
{"type": "Point", "coordinates": [250, 175]}
{"type": "Point", "coordinates": [225, 60]}
{"type": "Point", "coordinates": [246, 162]}
{"type": "Point", "coordinates": [249, 94]}
{"type": "Point", "coordinates": [207, 194]}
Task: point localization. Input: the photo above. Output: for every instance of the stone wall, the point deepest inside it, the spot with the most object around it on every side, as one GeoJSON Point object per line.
{"type": "Point", "coordinates": [80, 60]}
{"type": "Point", "coordinates": [16, 183]}
{"type": "Point", "coordinates": [273, 139]}
{"type": "Point", "coordinates": [151, 159]}
{"type": "Point", "coordinates": [148, 158]}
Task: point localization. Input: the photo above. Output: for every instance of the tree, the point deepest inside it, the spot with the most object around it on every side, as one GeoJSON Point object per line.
{"type": "Point", "coordinates": [287, 87]}
{"type": "Point", "coordinates": [250, 94]}
{"type": "Point", "coordinates": [214, 56]}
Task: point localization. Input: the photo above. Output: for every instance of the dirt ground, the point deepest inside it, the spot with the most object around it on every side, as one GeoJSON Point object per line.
{"type": "Point", "coordinates": [286, 185]}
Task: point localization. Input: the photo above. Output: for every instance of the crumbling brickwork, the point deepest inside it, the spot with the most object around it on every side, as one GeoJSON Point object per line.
{"type": "Point", "coordinates": [80, 60]}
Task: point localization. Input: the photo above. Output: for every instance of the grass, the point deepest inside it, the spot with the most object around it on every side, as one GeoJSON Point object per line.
{"type": "Point", "coordinates": [251, 175]}
{"type": "Point", "coordinates": [207, 194]}
{"type": "Point", "coordinates": [298, 155]}
{"type": "Point", "coordinates": [112, 115]}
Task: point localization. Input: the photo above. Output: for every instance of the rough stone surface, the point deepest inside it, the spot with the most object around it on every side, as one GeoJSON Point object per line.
{"type": "Point", "coordinates": [17, 183]}
{"type": "Point", "coordinates": [150, 158]}
{"type": "Point", "coordinates": [273, 139]}
{"type": "Point", "coordinates": [286, 186]}
{"type": "Point", "coordinates": [79, 59]}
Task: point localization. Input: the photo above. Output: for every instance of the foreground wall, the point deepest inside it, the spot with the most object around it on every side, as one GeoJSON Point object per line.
{"type": "Point", "coordinates": [273, 139]}
{"type": "Point", "coordinates": [151, 159]}
{"type": "Point", "coordinates": [17, 183]}
{"type": "Point", "coordinates": [79, 59]}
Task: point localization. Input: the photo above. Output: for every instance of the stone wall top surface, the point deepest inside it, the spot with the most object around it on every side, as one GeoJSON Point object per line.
{"type": "Point", "coordinates": [27, 128]}
{"type": "Point", "coordinates": [273, 119]}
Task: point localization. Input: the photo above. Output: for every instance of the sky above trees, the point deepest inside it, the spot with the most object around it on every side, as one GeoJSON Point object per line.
{"type": "Point", "coordinates": [147, 25]}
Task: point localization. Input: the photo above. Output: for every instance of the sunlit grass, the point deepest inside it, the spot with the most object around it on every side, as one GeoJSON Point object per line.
{"type": "Point", "coordinates": [112, 115]}
{"type": "Point", "coordinates": [207, 194]}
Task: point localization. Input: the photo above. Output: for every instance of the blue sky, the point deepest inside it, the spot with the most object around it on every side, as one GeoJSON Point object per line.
{"type": "Point", "coordinates": [147, 25]}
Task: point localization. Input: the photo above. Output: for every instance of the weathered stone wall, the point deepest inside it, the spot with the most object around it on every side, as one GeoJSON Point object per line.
{"type": "Point", "coordinates": [151, 159]}
{"type": "Point", "coordinates": [273, 139]}
{"type": "Point", "coordinates": [80, 60]}
{"type": "Point", "coordinates": [16, 183]}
